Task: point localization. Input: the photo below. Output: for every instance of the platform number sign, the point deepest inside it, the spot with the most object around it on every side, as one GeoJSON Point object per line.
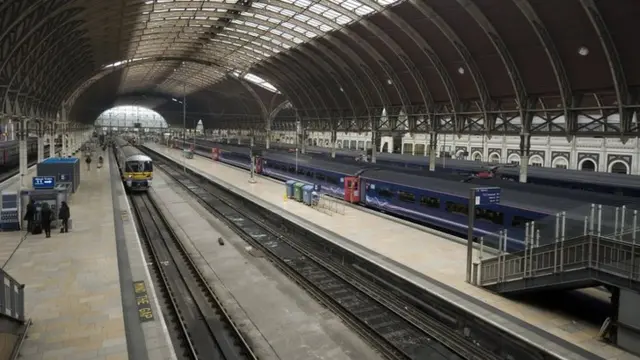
{"type": "Point", "coordinates": [142, 300]}
{"type": "Point", "coordinates": [43, 182]}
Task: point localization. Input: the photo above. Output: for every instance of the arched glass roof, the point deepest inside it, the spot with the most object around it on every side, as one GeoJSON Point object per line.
{"type": "Point", "coordinates": [127, 116]}
{"type": "Point", "coordinates": [231, 35]}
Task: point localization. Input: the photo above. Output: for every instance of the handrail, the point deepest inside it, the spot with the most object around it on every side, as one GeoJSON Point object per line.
{"type": "Point", "coordinates": [613, 256]}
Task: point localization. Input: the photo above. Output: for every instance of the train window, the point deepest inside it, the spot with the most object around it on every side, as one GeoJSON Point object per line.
{"type": "Point", "coordinates": [138, 166]}
{"type": "Point", "coordinates": [320, 177]}
{"type": "Point", "coordinates": [429, 201]}
{"type": "Point", "coordinates": [519, 221]}
{"type": "Point", "coordinates": [456, 208]}
{"type": "Point", "coordinates": [385, 193]}
{"type": "Point", "coordinates": [309, 174]}
{"type": "Point", "coordinates": [495, 217]}
{"type": "Point", "coordinates": [406, 196]}
{"type": "Point", "coordinates": [301, 171]}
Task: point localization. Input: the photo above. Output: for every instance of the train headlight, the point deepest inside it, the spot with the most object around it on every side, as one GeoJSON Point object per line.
{"type": "Point", "coordinates": [130, 176]}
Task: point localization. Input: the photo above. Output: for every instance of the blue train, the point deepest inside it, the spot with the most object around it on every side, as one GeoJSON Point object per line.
{"type": "Point", "coordinates": [617, 184]}
{"type": "Point", "coordinates": [433, 201]}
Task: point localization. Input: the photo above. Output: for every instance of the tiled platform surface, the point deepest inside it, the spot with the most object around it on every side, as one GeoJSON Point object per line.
{"type": "Point", "coordinates": [295, 326]}
{"type": "Point", "coordinates": [418, 256]}
{"type": "Point", "coordinates": [72, 288]}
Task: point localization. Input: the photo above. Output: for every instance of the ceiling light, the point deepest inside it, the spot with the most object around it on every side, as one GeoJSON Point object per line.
{"type": "Point", "coordinates": [389, 82]}
{"type": "Point", "coordinates": [341, 89]}
{"type": "Point", "coordinates": [583, 51]}
{"type": "Point", "coordinates": [461, 70]}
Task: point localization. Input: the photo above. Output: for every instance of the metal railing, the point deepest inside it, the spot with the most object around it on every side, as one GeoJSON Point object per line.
{"type": "Point", "coordinates": [11, 297]}
{"type": "Point", "coordinates": [330, 205]}
{"type": "Point", "coordinates": [615, 255]}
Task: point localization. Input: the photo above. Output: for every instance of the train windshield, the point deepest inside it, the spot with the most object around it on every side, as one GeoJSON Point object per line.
{"type": "Point", "coordinates": [139, 166]}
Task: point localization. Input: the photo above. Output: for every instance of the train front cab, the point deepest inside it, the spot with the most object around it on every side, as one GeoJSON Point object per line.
{"type": "Point", "coordinates": [352, 189]}
{"type": "Point", "coordinates": [138, 175]}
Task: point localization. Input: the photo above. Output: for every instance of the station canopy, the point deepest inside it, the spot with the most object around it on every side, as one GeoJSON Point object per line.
{"type": "Point", "coordinates": [437, 65]}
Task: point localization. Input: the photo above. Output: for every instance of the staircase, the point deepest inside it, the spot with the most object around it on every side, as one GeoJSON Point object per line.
{"type": "Point", "coordinates": [580, 262]}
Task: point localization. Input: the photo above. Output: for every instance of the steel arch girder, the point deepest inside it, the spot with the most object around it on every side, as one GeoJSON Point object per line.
{"type": "Point", "coordinates": [615, 66]}
{"type": "Point", "coordinates": [61, 81]}
{"type": "Point", "coordinates": [555, 61]}
{"type": "Point", "coordinates": [298, 73]}
{"type": "Point", "coordinates": [348, 72]}
{"type": "Point", "coordinates": [320, 68]}
{"type": "Point", "coordinates": [65, 14]}
{"type": "Point", "coordinates": [507, 60]}
{"type": "Point", "coordinates": [293, 84]}
{"type": "Point", "coordinates": [486, 103]}
{"type": "Point", "coordinates": [425, 94]}
{"type": "Point", "coordinates": [359, 62]}
{"type": "Point", "coordinates": [381, 61]}
{"type": "Point", "coordinates": [39, 51]}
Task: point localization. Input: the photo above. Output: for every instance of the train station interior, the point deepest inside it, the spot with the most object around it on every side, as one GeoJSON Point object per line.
{"type": "Point", "coordinates": [332, 179]}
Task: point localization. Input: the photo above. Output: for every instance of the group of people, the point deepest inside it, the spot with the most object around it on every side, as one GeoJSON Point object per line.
{"type": "Point", "coordinates": [46, 217]}
{"type": "Point", "coordinates": [88, 161]}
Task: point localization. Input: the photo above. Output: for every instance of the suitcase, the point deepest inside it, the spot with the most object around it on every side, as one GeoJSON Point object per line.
{"type": "Point", "coordinates": [37, 229]}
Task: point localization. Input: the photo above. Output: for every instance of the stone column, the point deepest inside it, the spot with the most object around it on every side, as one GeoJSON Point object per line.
{"type": "Point", "coordinates": [433, 148]}
{"type": "Point", "coordinates": [525, 146]}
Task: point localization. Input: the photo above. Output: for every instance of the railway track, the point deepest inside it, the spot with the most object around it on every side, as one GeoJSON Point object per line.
{"type": "Point", "coordinates": [202, 325]}
{"type": "Point", "coordinates": [398, 329]}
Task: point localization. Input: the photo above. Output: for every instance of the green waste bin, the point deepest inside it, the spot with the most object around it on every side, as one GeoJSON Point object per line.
{"type": "Point", "coordinates": [297, 191]}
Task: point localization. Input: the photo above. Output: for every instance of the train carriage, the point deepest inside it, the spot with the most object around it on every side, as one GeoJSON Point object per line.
{"type": "Point", "coordinates": [136, 168]}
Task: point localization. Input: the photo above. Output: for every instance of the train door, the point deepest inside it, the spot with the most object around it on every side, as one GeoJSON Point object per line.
{"type": "Point", "coordinates": [351, 189]}
{"type": "Point", "coordinates": [258, 161]}
{"type": "Point", "coordinates": [215, 154]}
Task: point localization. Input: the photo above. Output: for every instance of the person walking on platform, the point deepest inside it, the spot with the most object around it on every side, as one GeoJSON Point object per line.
{"type": "Point", "coordinates": [30, 215]}
{"type": "Point", "coordinates": [88, 161]}
{"type": "Point", "coordinates": [100, 161]}
{"type": "Point", "coordinates": [45, 218]}
{"type": "Point", "coordinates": [64, 215]}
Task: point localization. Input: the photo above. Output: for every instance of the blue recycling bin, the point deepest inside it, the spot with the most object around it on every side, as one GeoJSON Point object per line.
{"type": "Point", "coordinates": [289, 185]}
{"type": "Point", "coordinates": [306, 194]}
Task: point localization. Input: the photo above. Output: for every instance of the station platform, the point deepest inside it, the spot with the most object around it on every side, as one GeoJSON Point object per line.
{"type": "Point", "coordinates": [72, 289]}
{"type": "Point", "coordinates": [426, 259]}
{"type": "Point", "coordinates": [295, 327]}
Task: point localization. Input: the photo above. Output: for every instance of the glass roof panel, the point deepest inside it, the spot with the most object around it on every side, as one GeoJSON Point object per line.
{"type": "Point", "coordinates": [193, 28]}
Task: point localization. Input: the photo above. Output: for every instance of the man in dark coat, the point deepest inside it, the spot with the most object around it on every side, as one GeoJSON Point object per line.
{"type": "Point", "coordinates": [64, 215]}
{"type": "Point", "coordinates": [46, 215]}
{"type": "Point", "coordinates": [30, 215]}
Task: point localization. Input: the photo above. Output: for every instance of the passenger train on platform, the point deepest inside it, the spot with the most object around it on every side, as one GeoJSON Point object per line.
{"type": "Point", "coordinates": [617, 184]}
{"type": "Point", "coordinates": [136, 168]}
{"type": "Point", "coordinates": [439, 201]}
{"type": "Point", "coordinates": [10, 150]}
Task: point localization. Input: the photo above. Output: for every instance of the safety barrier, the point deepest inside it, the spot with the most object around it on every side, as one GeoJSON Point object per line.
{"type": "Point", "coordinates": [11, 297]}
{"type": "Point", "coordinates": [330, 205]}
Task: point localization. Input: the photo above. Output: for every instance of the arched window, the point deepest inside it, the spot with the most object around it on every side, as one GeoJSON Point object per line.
{"type": "Point", "coordinates": [477, 156]}
{"type": "Point", "coordinates": [494, 158]}
{"type": "Point", "coordinates": [560, 163]}
{"type": "Point", "coordinates": [535, 160]}
{"type": "Point", "coordinates": [619, 167]}
{"type": "Point", "coordinates": [514, 159]}
{"type": "Point", "coordinates": [588, 165]}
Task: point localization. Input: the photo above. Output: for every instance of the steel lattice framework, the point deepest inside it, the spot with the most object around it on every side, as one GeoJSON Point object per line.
{"type": "Point", "coordinates": [494, 67]}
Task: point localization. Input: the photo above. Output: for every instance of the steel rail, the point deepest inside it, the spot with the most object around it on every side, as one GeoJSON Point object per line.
{"type": "Point", "coordinates": [206, 329]}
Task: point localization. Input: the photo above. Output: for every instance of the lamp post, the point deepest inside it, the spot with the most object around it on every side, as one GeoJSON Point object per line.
{"type": "Point", "coordinates": [184, 126]}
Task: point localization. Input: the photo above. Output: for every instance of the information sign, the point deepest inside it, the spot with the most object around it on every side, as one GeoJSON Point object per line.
{"type": "Point", "coordinates": [43, 182]}
{"type": "Point", "coordinates": [487, 196]}
{"type": "Point", "coordinates": [478, 197]}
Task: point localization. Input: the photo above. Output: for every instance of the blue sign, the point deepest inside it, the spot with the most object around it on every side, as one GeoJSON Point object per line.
{"type": "Point", "coordinates": [43, 182]}
{"type": "Point", "coordinates": [487, 196]}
